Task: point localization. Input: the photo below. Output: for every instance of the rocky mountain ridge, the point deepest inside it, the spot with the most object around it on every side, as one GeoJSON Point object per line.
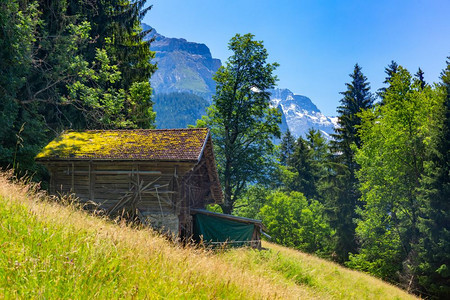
{"type": "Point", "coordinates": [182, 66]}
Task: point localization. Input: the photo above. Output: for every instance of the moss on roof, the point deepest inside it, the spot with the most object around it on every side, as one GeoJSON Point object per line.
{"type": "Point", "coordinates": [141, 144]}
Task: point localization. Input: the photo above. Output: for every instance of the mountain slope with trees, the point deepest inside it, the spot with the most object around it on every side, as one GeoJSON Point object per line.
{"type": "Point", "coordinates": [375, 198]}
{"type": "Point", "coordinates": [178, 110]}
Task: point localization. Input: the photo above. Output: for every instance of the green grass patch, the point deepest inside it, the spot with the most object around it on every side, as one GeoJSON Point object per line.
{"type": "Point", "coordinates": [274, 261]}
{"type": "Point", "coordinates": [323, 278]}
{"type": "Point", "coordinates": [48, 259]}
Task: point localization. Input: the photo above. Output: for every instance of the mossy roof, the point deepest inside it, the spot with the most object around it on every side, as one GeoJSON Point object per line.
{"type": "Point", "coordinates": [139, 144]}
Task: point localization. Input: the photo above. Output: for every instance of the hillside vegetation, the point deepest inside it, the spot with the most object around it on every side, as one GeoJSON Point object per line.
{"type": "Point", "coordinates": [53, 251]}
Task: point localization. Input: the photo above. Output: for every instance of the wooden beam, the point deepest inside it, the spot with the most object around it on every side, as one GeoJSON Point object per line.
{"type": "Point", "coordinates": [73, 179]}
{"type": "Point", "coordinates": [198, 166]}
{"type": "Point", "coordinates": [112, 172]}
{"type": "Point", "coordinates": [90, 181]}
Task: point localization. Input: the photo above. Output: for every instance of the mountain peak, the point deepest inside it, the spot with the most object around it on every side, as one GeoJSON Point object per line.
{"type": "Point", "coordinates": [301, 113]}
{"type": "Point", "coordinates": [299, 100]}
{"type": "Point", "coordinates": [182, 66]}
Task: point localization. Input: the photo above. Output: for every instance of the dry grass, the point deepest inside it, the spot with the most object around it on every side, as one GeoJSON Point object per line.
{"type": "Point", "coordinates": [52, 251]}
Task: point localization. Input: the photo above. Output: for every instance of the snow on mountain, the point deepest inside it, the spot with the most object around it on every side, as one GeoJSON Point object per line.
{"type": "Point", "coordinates": [302, 114]}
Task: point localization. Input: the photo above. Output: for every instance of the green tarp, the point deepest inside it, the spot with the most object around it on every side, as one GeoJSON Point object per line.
{"type": "Point", "coordinates": [216, 230]}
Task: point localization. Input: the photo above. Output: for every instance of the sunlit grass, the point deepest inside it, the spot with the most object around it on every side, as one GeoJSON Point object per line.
{"type": "Point", "coordinates": [51, 251]}
{"type": "Point", "coordinates": [326, 279]}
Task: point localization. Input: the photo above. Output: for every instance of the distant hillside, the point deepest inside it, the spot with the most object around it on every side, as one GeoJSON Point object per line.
{"type": "Point", "coordinates": [52, 251]}
{"type": "Point", "coordinates": [301, 113]}
{"type": "Point", "coordinates": [182, 66]}
{"type": "Point", "coordinates": [178, 110]}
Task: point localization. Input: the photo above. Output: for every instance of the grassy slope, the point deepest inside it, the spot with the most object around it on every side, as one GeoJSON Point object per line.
{"type": "Point", "coordinates": [51, 251]}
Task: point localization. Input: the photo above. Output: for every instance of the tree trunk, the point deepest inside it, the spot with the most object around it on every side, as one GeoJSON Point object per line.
{"type": "Point", "coordinates": [227, 205]}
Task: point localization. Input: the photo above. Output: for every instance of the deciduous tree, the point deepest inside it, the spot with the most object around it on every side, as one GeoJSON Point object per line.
{"type": "Point", "coordinates": [294, 221]}
{"type": "Point", "coordinates": [241, 119]}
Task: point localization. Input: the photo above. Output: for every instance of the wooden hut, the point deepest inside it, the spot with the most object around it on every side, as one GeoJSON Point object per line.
{"type": "Point", "coordinates": [161, 175]}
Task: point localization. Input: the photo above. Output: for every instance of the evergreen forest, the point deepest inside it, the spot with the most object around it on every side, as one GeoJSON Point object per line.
{"type": "Point", "coordinates": [376, 198]}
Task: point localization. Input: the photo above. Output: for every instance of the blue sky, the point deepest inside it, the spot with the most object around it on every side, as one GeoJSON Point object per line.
{"type": "Point", "coordinates": [317, 42]}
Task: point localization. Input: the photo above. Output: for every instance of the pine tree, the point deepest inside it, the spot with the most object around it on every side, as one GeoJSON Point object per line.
{"type": "Point", "coordinates": [421, 78]}
{"type": "Point", "coordinates": [306, 166]}
{"type": "Point", "coordinates": [435, 245]}
{"type": "Point", "coordinates": [318, 146]}
{"type": "Point", "coordinates": [116, 25]}
{"type": "Point", "coordinates": [357, 98]}
{"type": "Point", "coordinates": [287, 148]}
{"type": "Point", "coordinates": [390, 71]}
{"type": "Point", "coordinates": [302, 165]}
{"type": "Point", "coordinates": [320, 160]}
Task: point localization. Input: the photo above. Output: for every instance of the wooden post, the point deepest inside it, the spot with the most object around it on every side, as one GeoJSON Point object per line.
{"type": "Point", "coordinates": [91, 182]}
{"type": "Point", "coordinates": [174, 186]}
{"type": "Point", "coordinates": [52, 181]}
{"type": "Point", "coordinates": [73, 178]}
{"type": "Point", "coordinates": [138, 185]}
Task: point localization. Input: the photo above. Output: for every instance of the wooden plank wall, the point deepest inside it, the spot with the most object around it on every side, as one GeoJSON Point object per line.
{"type": "Point", "coordinates": [106, 182]}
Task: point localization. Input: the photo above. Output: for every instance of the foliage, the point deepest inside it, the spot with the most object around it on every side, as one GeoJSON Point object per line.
{"type": "Point", "coordinates": [293, 221]}
{"type": "Point", "coordinates": [95, 65]}
{"type": "Point", "coordinates": [357, 98]}
{"type": "Point", "coordinates": [178, 110]}
{"type": "Point", "coordinates": [19, 136]}
{"type": "Point", "coordinates": [421, 78]}
{"type": "Point", "coordinates": [381, 252]}
{"type": "Point", "coordinates": [392, 163]}
{"type": "Point", "coordinates": [303, 164]}
{"type": "Point", "coordinates": [390, 71]}
{"type": "Point", "coordinates": [105, 106]}
{"type": "Point", "coordinates": [434, 251]}
{"type": "Point", "coordinates": [287, 147]}
{"type": "Point", "coordinates": [241, 119]}
{"type": "Point", "coordinates": [303, 179]}
{"type": "Point", "coordinates": [250, 203]}
{"type": "Point", "coordinates": [63, 70]}
{"type": "Point", "coordinates": [343, 197]}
